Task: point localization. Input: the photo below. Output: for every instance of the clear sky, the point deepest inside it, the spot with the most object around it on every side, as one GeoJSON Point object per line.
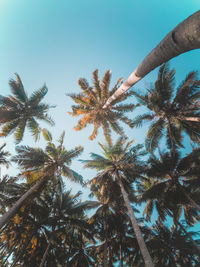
{"type": "Point", "coordinates": [58, 41]}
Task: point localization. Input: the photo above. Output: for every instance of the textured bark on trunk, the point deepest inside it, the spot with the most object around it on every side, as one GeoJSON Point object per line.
{"type": "Point", "coordinates": [183, 38]}
{"type": "Point", "coordinates": [105, 260]}
{"type": "Point", "coordinates": [121, 256]}
{"type": "Point", "coordinates": [19, 203]}
{"type": "Point", "coordinates": [191, 119]}
{"type": "Point", "coordinates": [46, 252]}
{"type": "Point", "coordinates": [144, 251]}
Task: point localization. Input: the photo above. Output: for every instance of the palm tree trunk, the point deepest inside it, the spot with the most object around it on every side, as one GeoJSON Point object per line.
{"type": "Point", "coordinates": [183, 38]}
{"type": "Point", "coordinates": [194, 119]}
{"type": "Point", "coordinates": [138, 234]}
{"type": "Point", "coordinates": [121, 255]}
{"type": "Point", "coordinates": [46, 252]}
{"type": "Point", "coordinates": [19, 203]}
{"type": "Point", "coordinates": [105, 259]}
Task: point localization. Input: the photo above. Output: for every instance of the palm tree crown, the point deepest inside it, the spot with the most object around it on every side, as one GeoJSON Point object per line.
{"type": "Point", "coordinates": [54, 158]}
{"type": "Point", "coordinates": [121, 165]}
{"type": "Point", "coordinates": [89, 104]}
{"type": "Point", "coordinates": [18, 111]}
{"type": "Point", "coordinates": [171, 112]}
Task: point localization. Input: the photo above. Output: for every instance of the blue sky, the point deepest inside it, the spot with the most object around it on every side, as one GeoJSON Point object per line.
{"type": "Point", "coordinates": [58, 41]}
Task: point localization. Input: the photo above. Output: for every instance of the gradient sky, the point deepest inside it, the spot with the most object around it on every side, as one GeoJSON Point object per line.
{"type": "Point", "coordinates": [58, 41]}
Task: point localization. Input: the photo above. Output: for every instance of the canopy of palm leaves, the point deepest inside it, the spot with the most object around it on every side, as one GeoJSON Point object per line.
{"type": "Point", "coordinates": [172, 111]}
{"type": "Point", "coordinates": [121, 164]}
{"type": "Point", "coordinates": [52, 218]}
{"type": "Point", "coordinates": [169, 187]}
{"type": "Point", "coordinates": [121, 157]}
{"type": "Point", "coordinates": [171, 247]}
{"type": "Point", "coordinates": [89, 105]}
{"type": "Point", "coordinates": [18, 111]}
{"type": "Point", "coordinates": [54, 158]}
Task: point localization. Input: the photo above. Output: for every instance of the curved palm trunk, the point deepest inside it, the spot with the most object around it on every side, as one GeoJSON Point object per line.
{"type": "Point", "coordinates": [194, 119]}
{"type": "Point", "coordinates": [121, 256]}
{"type": "Point", "coordinates": [138, 234]}
{"type": "Point", "coordinates": [183, 38]}
{"type": "Point", "coordinates": [19, 203]}
{"type": "Point", "coordinates": [46, 252]}
{"type": "Point", "coordinates": [105, 260]}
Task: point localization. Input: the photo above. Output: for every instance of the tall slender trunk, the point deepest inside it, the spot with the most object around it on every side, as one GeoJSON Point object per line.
{"type": "Point", "coordinates": [46, 251]}
{"type": "Point", "coordinates": [105, 259]}
{"type": "Point", "coordinates": [182, 38]}
{"type": "Point", "coordinates": [19, 203]}
{"type": "Point", "coordinates": [144, 251]}
{"type": "Point", "coordinates": [194, 119]}
{"type": "Point", "coordinates": [121, 253]}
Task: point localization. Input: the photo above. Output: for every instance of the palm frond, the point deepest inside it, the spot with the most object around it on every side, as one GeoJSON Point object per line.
{"type": "Point", "coordinates": [17, 89]}
{"type": "Point", "coordinates": [154, 135]}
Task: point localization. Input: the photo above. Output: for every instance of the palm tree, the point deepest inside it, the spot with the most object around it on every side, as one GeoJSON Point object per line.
{"type": "Point", "coordinates": [18, 111]}
{"type": "Point", "coordinates": [89, 105]}
{"type": "Point", "coordinates": [40, 233]}
{"type": "Point", "coordinates": [171, 111]}
{"type": "Point", "coordinates": [182, 38]}
{"type": "Point", "coordinates": [3, 157]}
{"type": "Point", "coordinates": [172, 247]}
{"type": "Point", "coordinates": [170, 182]}
{"type": "Point", "coordinates": [43, 165]}
{"type": "Point", "coordinates": [123, 166]}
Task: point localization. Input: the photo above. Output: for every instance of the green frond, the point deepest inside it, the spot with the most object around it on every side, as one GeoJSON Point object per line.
{"type": "Point", "coordinates": [174, 136]}
{"type": "Point", "coordinates": [187, 88]}
{"type": "Point", "coordinates": [61, 138]}
{"type": "Point", "coordinates": [125, 107]}
{"type": "Point", "coordinates": [98, 163]}
{"type": "Point", "coordinates": [154, 135]}
{"type": "Point", "coordinates": [73, 153]}
{"type": "Point", "coordinates": [107, 132]}
{"type": "Point", "coordinates": [38, 95]}
{"type": "Point", "coordinates": [7, 102]}
{"type": "Point", "coordinates": [83, 84]}
{"type": "Point", "coordinates": [19, 131]}
{"type": "Point", "coordinates": [140, 119]}
{"type": "Point", "coordinates": [165, 82]}
{"type": "Point", "coordinates": [116, 128]}
{"type": "Point", "coordinates": [30, 158]}
{"type": "Point", "coordinates": [142, 99]}
{"type": "Point", "coordinates": [34, 128]}
{"type": "Point", "coordinates": [81, 99]}
{"type": "Point", "coordinates": [72, 175]}
{"type": "Point", "coordinates": [9, 127]}
{"type": "Point", "coordinates": [127, 121]}
{"type": "Point", "coordinates": [116, 86]}
{"type": "Point", "coordinates": [17, 89]}
{"type": "Point", "coordinates": [105, 84]}
{"type": "Point", "coordinates": [96, 82]}
{"type": "Point", "coordinates": [47, 135]}
{"type": "Point", "coordinates": [46, 118]}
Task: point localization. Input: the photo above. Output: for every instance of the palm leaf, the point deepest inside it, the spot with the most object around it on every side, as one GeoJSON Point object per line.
{"type": "Point", "coordinates": [17, 89]}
